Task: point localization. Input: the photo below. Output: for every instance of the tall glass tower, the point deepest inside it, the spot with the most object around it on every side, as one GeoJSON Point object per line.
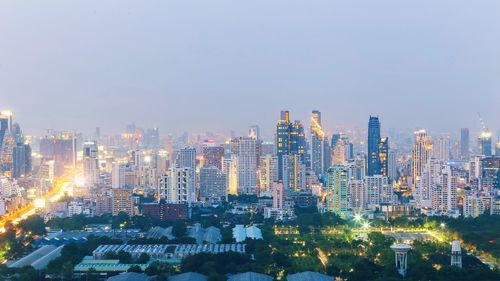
{"type": "Point", "coordinates": [374, 165]}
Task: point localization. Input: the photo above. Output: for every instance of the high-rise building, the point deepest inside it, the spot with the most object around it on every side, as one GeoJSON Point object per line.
{"type": "Point", "coordinates": [294, 176]}
{"type": "Point", "coordinates": [392, 168]}
{"type": "Point", "coordinates": [464, 144]}
{"type": "Point", "coordinates": [317, 144]}
{"type": "Point", "coordinates": [278, 194]}
{"type": "Point", "coordinates": [290, 139]}
{"type": "Point", "coordinates": [444, 193]}
{"type": "Point", "coordinates": [356, 168]}
{"type": "Point", "coordinates": [90, 160]}
{"type": "Point", "coordinates": [247, 166]}
{"type": "Point", "coordinates": [212, 184]}
{"type": "Point", "coordinates": [178, 186]}
{"type": "Point", "coordinates": [357, 195]}
{"type": "Point", "coordinates": [485, 143]}
{"type": "Point", "coordinates": [21, 160]}
{"type": "Point", "coordinates": [442, 149]}
{"type": "Point", "coordinates": [230, 168]}
{"type": "Point", "coordinates": [122, 202]}
{"type": "Point", "coordinates": [254, 132]}
{"type": "Point", "coordinates": [384, 156]}
{"type": "Point", "coordinates": [378, 190]}
{"type": "Point", "coordinates": [422, 151]}
{"type": "Point", "coordinates": [473, 206]}
{"type": "Point", "coordinates": [118, 176]}
{"type": "Point", "coordinates": [374, 165]}
{"type": "Point", "coordinates": [186, 158]}
{"type": "Point", "coordinates": [267, 172]}
{"type": "Point", "coordinates": [212, 155]}
{"type": "Point", "coordinates": [60, 147]}
{"type": "Point", "coordinates": [337, 191]}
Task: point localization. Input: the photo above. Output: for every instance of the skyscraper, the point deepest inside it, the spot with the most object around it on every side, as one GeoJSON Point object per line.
{"type": "Point", "coordinates": [178, 186]}
{"type": "Point", "coordinates": [294, 174]}
{"type": "Point", "coordinates": [422, 151]}
{"type": "Point", "coordinates": [374, 165]}
{"type": "Point", "coordinates": [247, 166]}
{"type": "Point", "coordinates": [337, 191]}
{"type": "Point", "coordinates": [290, 139]}
{"type": "Point", "coordinates": [212, 184]}
{"type": "Point", "coordinates": [384, 156]}
{"type": "Point", "coordinates": [442, 149]}
{"type": "Point", "coordinates": [212, 155]}
{"type": "Point", "coordinates": [21, 160]}
{"type": "Point", "coordinates": [464, 144]}
{"type": "Point", "coordinates": [317, 143]}
{"type": "Point", "coordinates": [90, 159]}
{"type": "Point", "coordinates": [484, 143]}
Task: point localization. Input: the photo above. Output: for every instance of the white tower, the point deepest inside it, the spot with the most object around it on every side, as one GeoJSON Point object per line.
{"type": "Point", "coordinates": [401, 251]}
{"type": "Point", "coordinates": [456, 254]}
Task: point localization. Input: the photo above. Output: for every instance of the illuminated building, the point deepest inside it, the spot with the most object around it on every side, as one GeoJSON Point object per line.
{"type": "Point", "coordinates": [484, 143]}
{"type": "Point", "coordinates": [464, 144]}
{"type": "Point", "coordinates": [337, 191]}
{"type": "Point", "coordinates": [384, 156]}
{"type": "Point", "coordinates": [212, 184]}
{"type": "Point", "coordinates": [267, 172]}
{"type": "Point", "coordinates": [290, 139]}
{"type": "Point", "coordinates": [294, 173]}
{"type": "Point", "coordinates": [90, 160]}
{"type": "Point", "coordinates": [21, 160]}
{"type": "Point", "coordinates": [456, 254]}
{"type": "Point", "coordinates": [444, 193]}
{"type": "Point", "coordinates": [317, 145]}
{"type": "Point", "coordinates": [378, 190]}
{"type": "Point", "coordinates": [122, 202]}
{"type": "Point", "coordinates": [357, 195]}
{"type": "Point", "coordinates": [230, 168]}
{"type": "Point", "coordinates": [247, 166]}
{"type": "Point", "coordinates": [401, 257]}
{"type": "Point", "coordinates": [473, 206]}
{"type": "Point", "coordinates": [490, 169]}
{"type": "Point", "coordinates": [422, 151]}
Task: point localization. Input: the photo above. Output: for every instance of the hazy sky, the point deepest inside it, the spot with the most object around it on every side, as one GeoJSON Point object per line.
{"type": "Point", "coordinates": [214, 65]}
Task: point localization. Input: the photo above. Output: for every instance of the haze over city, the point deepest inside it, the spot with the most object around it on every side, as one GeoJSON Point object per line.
{"type": "Point", "coordinates": [221, 65]}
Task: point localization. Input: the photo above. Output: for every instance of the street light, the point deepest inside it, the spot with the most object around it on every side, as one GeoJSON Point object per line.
{"type": "Point", "coordinates": [443, 225]}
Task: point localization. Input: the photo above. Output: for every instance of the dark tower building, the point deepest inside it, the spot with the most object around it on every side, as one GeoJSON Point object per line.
{"type": "Point", "coordinates": [374, 165]}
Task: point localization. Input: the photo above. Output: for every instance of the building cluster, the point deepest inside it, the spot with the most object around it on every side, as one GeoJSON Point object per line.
{"type": "Point", "coordinates": [350, 172]}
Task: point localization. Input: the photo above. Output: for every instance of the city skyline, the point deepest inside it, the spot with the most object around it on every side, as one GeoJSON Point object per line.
{"type": "Point", "coordinates": [225, 71]}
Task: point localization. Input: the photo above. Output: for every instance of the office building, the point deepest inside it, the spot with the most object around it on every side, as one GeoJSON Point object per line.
{"type": "Point", "coordinates": [294, 173]}
{"type": "Point", "coordinates": [230, 169]}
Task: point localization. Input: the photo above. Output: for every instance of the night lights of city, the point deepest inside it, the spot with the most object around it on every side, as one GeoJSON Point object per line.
{"type": "Point", "coordinates": [249, 140]}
